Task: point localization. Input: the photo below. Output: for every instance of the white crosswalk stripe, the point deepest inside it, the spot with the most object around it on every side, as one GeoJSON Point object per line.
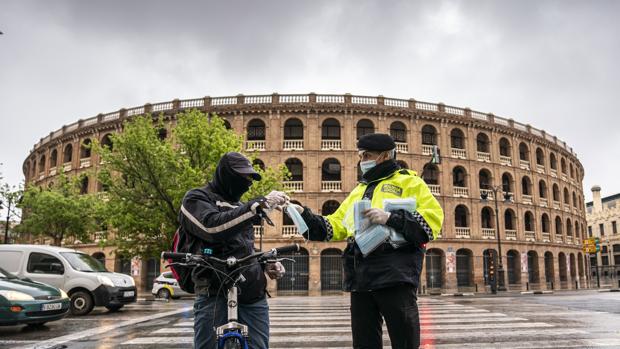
{"type": "Point", "coordinates": [307, 323]}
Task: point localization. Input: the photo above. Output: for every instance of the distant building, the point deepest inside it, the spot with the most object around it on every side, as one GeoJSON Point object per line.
{"type": "Point", "coordinates": [603, 217]}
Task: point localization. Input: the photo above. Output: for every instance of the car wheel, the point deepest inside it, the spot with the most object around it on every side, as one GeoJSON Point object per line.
{"type": "Point", "coordinates": [163, 293]}
{"type": "Point", "coordinates": [81, 303]}
{"type": "Point", "coordinates": [113, 308]}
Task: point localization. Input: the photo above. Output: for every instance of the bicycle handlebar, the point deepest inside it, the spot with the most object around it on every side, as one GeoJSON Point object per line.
{"type": "Point", "coordinates": [175, 256]}
{"type": "Point", "coordinates": [186, 257]}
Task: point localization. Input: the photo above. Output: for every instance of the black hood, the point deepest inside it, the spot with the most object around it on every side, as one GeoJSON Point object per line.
{"type": "Point", "coordinates": [227, 182]}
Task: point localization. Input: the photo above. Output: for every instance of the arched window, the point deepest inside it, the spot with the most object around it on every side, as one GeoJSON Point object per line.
{"type": "Point", "coordinates": [364, 127]}
{"type": "Point", "coordinates": [542, 189]}
{"type": "Point", "coordinates": [67, 153]}
{"type": "Point", "coordinates": [42, 164]}
{"type": "Point", "coordinates": [482, 143]}
{"type": "Point", "coordinates": [486, 218]}
{"type": "Point", "coordinates": [256, 130]}
{"type": "Point", "coordinates": [509, 220]}
{"type": "Point", "coordinates": [459, 177]}
{"type": "Point", "coordinates": [293, 129]}
{"type": "Point", "coordinates": [526, 185]}
{"type": "Point", "coordinates": [54, 158]}
{"type": "Point", "coordinates": [572, 171]}
{"type": "Point", "coordinates": [484, 179]}
{"type": "Point", "coordinates": [296, 168]}
{"type": "Point", "coordinates": [563, 165]}
{"type": "Point", "coordinates": [569, 227]}
{"type": "Point", "coordinates": [566, 197]}
{"type": "Point", "coordinates": [540, 157]}
{"type": "Point", "coordinates": [106, 141]}
{"type": "Point", "coordinates": [430, 174]}
{"type": "Point", "coordinates": [259, 163]}
{"type": "Point", "coordinates": [504, 147]}
{"type": "Point", "coordinates": [558, 225]}
{"type": "Point", "coordinates": [329, 207]}
{"type": "Point", "coordinates": [227, 125]}
{"type": "Point", "coordinates": [330, 171]}
{"type": "Point", "coordinates": [398, 131]}
{"type": "Point", "coordinates": [507, 182]}
{"type": "Point", "coordinates": [528, 221]}
{"type": "Point", "coordinates": [330, 129]}
{"type": "Point", "coordinates": [553, 162]}
{"type": "Point", "coordinates": [524, 152]}
{"type": "Point", "coordinates": [556, 192]}
{"type": "Point", "coordinates": [85, 149]}
{"type": "Point", "coordinates": [574, 200]}
{"type": "Point", "coordinates": [461, 216]}
{"type": "Point", "coordinates": [545, 223]}
{"type": "Point", "coordinates": [429, 135]}
{"type": "Point", "coordinates": [457, 139]}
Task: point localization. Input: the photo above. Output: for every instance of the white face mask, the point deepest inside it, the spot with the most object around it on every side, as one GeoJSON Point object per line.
{"type": "Point", "coordinates": [366, 166]}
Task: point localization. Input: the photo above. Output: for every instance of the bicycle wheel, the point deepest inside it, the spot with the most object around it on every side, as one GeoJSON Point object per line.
{"type": "Point", "coordinates": [232, 343]}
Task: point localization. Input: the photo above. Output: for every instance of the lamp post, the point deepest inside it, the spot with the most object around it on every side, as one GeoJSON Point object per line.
{"type": "Point", "coordinates": [501, 286]}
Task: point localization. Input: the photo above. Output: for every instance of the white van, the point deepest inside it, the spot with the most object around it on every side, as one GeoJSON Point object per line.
{"type": "Point", "coordinates": [84, 278]}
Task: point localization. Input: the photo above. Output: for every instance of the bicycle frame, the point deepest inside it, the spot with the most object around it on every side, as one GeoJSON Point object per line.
{"type": "Point", "coordinates": [232, 329]}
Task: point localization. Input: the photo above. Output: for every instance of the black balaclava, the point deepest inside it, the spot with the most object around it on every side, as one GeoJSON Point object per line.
{"type": "Point", "coordinates": [228, 183]}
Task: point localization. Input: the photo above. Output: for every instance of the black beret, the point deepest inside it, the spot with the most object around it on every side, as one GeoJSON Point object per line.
{"type": "Point", "coordinates": [376, 142]}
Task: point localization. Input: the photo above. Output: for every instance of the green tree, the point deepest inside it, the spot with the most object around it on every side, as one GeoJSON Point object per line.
{"type": "Point", "coordinates": [9, 198]}
{"type": "Point", "coordinates": [59, 211]}
{"type": "Point", "coordinates": [147, 175]}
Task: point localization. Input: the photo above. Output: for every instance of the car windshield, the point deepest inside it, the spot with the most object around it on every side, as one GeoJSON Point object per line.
{"type": "Point", "coordinates": [83, 262]}
{"type": "Point", "coordinates": [6, 275]}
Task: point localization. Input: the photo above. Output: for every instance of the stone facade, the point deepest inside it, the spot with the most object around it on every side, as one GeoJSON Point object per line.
{"type": "Point", "coordinates": [541, 225]}
{"type": "Point", "coordinates": [603, 217]}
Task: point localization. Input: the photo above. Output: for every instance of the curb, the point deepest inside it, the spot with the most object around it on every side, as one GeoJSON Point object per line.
{"type": "Point", "coordinates": [610, 290]}
{"type": "Point", "coordinates": [458, 294]}
{"type": "Point", "coordinates": [537, 292]}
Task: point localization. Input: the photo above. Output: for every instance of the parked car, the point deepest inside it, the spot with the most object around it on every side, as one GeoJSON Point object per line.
{"type": "Point", "coordinates": [23, 301]}
{"type": "Point", "coordinates": [83, 277]}
{"type": "Point", "coordinates": [166, 286]}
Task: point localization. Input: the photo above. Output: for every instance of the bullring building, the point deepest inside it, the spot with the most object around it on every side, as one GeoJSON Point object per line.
{"type": "Point", "coordinates": [531, 177]}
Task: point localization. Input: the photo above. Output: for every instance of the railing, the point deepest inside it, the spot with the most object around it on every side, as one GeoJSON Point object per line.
{"type": "Point", "coordinates": [329, 144]}
{"type": "Point", "coordinates": [52, 171]}
{"type": "Point", "coordinates": [275, 99]}
{"type": "Point", "coordinates": [546, 237]}
{"type": "Point", "coordinates": [564, 178]}
{"type": "Point", "coordinates": [427, 149]}
{"type": "Point", "coordinates": [459, 153]}
{"type": "Point", "coordinates": [402, 147]}
{"type": "Point", "coordinates": [553, 172]}
{"type": "Point", "coordinates": [100, 236]}
{"type": "Point", "coordinates": [505, 160]}
{"type": "Point", "coordinates": [524, 164]}
{"type": "Point", "coordinates": [482, 156]}
{"type": "Point", "coordinates": [289, 230]}
{"type": "Point", "coordinates": [297, 144]}
{"type": "Point", "coordinates": [461, 191]}
{"type": "Point", "coordinates": [556, 205]}
{"type": "Point", "coordinates": [258, 231]}
{"type": "Point", "coordinates": [526, 199]}
{"type": "Point", "coordinates": [85, 162]}
{"type": "Point", "coordinates": [463, 232]}
{"type": "Point", "coordinates": [488, 233]}
{"type": "Point", "coordinates": [540, 168]}
{"type": "Point", "coordinates": [511, 234]}
{"type": "Point", "coordinates": [558, 238]}
{"type": "Point", "coordinates": [544, 202]}
{"type": "Point", "coordinates": [488, 192]}
{"type": "Point", "coordinates": [569, 239]}
{"type": "Point", "coordinates": [435, 189]}
{"type": "Point", "coordinates": [567, 207]}
{"type": "Point", "coordinates": [66, 166]}
{"type": "Point", "coordinates": [294, 186]}
{"type": "Point", "coordinates": [255, 145]}
{"type": "Point", "coordinates": [331, 185]}
{"type": "Point", "coordinates": [530, 236]}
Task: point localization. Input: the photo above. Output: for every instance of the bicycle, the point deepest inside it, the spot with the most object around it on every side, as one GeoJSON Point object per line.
{"type": "Point", "coordinates": [232, 335]}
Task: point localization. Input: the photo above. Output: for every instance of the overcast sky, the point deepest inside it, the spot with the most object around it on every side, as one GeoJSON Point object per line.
{"type": "Point", "coordinates": [552, 64]}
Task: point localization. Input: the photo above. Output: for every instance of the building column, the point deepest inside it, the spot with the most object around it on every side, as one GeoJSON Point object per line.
{"type": "Point", "coordinates": [314, 270]}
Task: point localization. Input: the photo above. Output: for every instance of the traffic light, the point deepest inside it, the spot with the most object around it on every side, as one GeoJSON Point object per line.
{"type": "Point", "coordinates": [597, 243]}
{"type": "Point", "coordinates": [436, 155]}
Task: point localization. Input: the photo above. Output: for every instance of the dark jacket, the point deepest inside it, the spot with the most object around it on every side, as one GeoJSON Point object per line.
{"type": "Point", "coordinates": [217, 220]}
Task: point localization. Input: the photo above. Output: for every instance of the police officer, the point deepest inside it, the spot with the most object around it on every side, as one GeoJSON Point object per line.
{"type": "Point", "coordinates": [383, 284]}
{"type": "Point", "coordinates": [215, 218]}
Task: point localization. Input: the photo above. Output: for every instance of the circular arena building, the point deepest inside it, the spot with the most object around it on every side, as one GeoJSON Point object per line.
{"type": "Point", "coordinates": [533, 178]}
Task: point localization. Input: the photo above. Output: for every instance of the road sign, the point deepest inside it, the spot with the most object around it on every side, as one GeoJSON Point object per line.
{"type": "Point", "coordinates": [591, 245]}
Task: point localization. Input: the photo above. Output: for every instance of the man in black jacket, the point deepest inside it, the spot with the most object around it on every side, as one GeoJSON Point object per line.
{"type": "Point", "coordinates": [217, 220]}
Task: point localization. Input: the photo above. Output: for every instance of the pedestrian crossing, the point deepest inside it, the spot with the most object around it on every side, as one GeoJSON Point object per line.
{"type": "Point", "coordinates": [324, 322]}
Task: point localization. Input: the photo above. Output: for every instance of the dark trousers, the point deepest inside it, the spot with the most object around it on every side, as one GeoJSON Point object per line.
{"type": "Point", "coordinates": [397, 305]}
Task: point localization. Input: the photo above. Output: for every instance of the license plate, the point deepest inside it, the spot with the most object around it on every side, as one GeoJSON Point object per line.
{"type": "Point", "coordinates": [128, 294]}
{"type": "Point", "coordinates": [51, 306]}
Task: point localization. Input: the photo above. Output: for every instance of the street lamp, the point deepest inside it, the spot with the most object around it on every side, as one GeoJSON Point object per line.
{"type": "Point", "coordinates": [484, 195]}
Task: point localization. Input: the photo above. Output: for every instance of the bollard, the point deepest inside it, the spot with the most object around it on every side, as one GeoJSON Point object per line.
{"type": "Point", "coordinates": [476, 288]}
{"type": "Point", "coordinates": [552, 285]}
{"type": "Point", "coordinates": [527, 286]}
{"type": "Point", "coordinates": [576, 285]}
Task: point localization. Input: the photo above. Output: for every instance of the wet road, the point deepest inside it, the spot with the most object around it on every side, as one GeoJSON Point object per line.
{"type": "Point", "coordinates": [585, 319]}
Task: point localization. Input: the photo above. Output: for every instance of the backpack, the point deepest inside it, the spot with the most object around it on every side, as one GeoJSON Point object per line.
{"type": "Point", "coordinates": [182, 243]}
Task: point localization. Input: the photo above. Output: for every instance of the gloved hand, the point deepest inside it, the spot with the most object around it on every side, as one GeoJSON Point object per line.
{"type": "Point", "coordinates": [377, 215]}
{"type": "Point", "coordinates": [299, 209]}
{"type": "Point", "coordinates": [275, 270]}
{"type": "Point", "coordinates": [275, 199]}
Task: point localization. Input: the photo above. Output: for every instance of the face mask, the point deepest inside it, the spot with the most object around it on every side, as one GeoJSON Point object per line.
{"type": "Point", "coordinates": [366, 166]}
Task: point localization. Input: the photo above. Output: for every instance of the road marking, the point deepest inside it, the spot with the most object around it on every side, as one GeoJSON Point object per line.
{"type": "Point", "coordinates": [570, 343]}
{"type": "Point", "coordinates": [101, 330]}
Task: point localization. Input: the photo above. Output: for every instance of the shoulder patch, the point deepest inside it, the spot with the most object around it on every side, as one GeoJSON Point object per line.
{"type": "Point", "coordinates": [391, 188]}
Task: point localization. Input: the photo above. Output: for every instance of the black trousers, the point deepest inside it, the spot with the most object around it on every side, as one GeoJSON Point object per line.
{"type": "Point", "coordinates": [397, 305]}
